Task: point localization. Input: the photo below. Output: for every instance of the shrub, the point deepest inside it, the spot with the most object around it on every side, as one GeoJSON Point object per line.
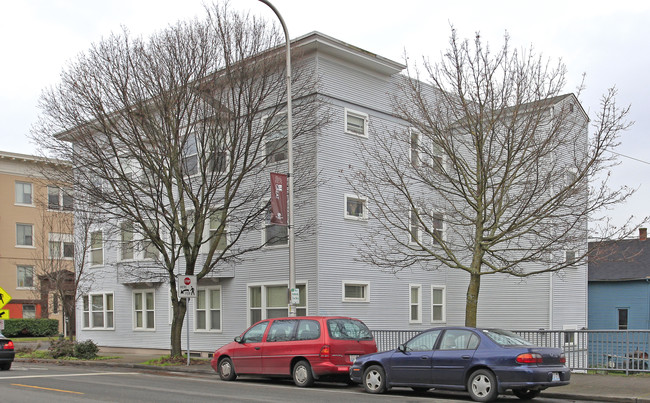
{"type": "Point", "coordinates": [30, 327]}
{"type": "Point", "coordinates": [86, 350]}
{"type": "Point", "coordinates": [61, 348]}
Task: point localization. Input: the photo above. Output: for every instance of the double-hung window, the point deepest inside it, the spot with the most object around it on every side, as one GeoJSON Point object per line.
{"type": "Point", "coordinates": [415, 304]}
{"type": "Point", "coordinates": [274, 234]}
{"type": "Point", "coordinates": [438, 308]}
{"type": "Point", "coordinates": [190, 156]}
{"type": "Point", "coordinates": [623, 318]}
{"type": "Point", "coordinates": [96, 248]}
{"type": "Point", "coordinates": [59, 199]}
{"type": "Point", "coordinates": [24, 193]}
{"type": "Point", "coordinates": [218, 233]}
{"type": "Point", "coordinates": [61, 246]}
{"type": "Point", "coordinates": [25, 276]}
{"type": "Point", "coordinates": [98, 311]}
{"type": "Point", "coordinates": [208, 309]}
{"type": "Point", "coordinates": [438, 226]}
{"type": "Point", "coordinates": [24, 234]}
{"type": "Point", "coordinates": [415, 231]}
{"type": "Point", "coordinates": [268, 301]}
{"type": "Point", "coordinates": [143, 310]}
{"type": "Point", "coordinates": [356, 123]}
{"type": "Point", "coordinates": [127, 241]}
{"type": "Point", "coordinates": [276, 147]}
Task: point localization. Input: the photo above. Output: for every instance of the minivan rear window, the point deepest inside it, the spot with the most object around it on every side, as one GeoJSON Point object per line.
{"type": "Point", "coordinates": [348, 329]}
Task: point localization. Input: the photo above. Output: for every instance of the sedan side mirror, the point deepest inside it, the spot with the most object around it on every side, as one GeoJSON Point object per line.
{"type": "Point", "coordinates": [238, 339]}
{"type": "Point", "coordinates": [402, 348]}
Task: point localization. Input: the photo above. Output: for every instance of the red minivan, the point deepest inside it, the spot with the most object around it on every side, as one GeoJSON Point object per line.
{"type": "Point", "coordinates": [306, 348]}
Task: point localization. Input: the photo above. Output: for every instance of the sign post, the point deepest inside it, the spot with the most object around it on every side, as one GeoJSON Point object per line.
{"type": "Point", "coordinates": [187, 290]}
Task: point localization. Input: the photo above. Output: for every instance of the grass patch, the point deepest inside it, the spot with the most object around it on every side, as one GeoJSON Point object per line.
{"type": "Point", "coordinates": [168, 361]}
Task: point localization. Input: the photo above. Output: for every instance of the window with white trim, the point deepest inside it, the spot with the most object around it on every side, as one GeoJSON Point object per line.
{"type": "Point", "coordinates": [267, 301]}
{"type": "Point", "coordinates": [127, 240]}
{"type": "Point", "coordinates": [61, 246]}
{"type": "Point", "coordinates": [144, 310]}
{"type": "Point", "coordinates": [355, 207]}
{"type": "Point", "coordinates": [59, 199]}
{"type": "Point", "coordinates": [207, 311]}
{"type": "Point", "coordinates": [98, 311]}
{"type": "Point", "coordinates": [24, 234]}
{"type": "Point", "coordinates": [25, 276]}
{"type": "Point", "coordinates": [414, 156]}
{"type": "Point", "coordinates": [415, 303]}
{"type": "Point", "coordinates": [438, 226]}
{"type": "Point", "coordinates": [215, 219]}
{"type": "Point", "coordinates": [24, 193]}
{"type": "Point", "coordinates": [355, 291]}
{"type": "Point", "coordinates": [356, 123]}
{"type": "Point", "coordinates": [415, 232]}
{"type": "Point", "coordinates": [276, 148]}
{"type": "Point", "coordinates": [569, 337]}
{"type": "Point", "coordinates": [438, 308]}
{"type": "Point", "coordinates": [437, 158]}
{"type": "Point", "coordinates": [96, 248]}
{"type": "Point", "coordinates": [569, 256]}
{"type": "Point", "coordinates": [190, 156]}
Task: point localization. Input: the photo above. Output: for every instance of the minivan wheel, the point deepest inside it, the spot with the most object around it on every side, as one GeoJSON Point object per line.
{"type": "Point", "coordinates": [227, 370]}
{"type": "Point", "coordinates": [482, 386]}
{"type": "Point", "coordinates": [302, 375]}
{"type": "Point", "coordinates": [374, 379]}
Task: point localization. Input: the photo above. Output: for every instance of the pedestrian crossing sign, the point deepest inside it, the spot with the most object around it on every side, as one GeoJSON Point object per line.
{"type": "Point", "coordinates": [4, 299]}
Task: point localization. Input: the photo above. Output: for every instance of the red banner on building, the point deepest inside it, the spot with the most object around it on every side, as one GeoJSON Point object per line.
{"type": "Point", "coordinates": [278, 199]}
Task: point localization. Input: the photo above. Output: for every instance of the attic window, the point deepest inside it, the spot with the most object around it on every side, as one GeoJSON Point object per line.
{"type": "Point", "coordinates": [570, 107]}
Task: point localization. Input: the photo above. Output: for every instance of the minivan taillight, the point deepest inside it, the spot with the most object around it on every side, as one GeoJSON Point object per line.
{"type": "Point", "coordinates": [529, 358]}
{"type": "Point", "coordinates": [325, 351]}
{"type": "Point", "coordinates": [9, 345]}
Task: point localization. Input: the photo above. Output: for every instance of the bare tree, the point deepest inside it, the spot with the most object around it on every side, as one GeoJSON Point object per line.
{"type": "Point", "coordinates": [492, 175]}
{"type": "Point", "coordinates": [171, 140]}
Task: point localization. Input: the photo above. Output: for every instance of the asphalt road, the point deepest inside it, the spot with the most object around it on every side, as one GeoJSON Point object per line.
{"type": "Point", "coordinates": [37, 382]}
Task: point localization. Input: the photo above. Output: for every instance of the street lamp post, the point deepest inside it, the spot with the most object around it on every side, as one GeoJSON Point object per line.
{"type": "Point", "coordinates": [292, 267]}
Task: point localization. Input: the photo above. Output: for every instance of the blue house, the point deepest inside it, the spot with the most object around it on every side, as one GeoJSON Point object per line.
{"type": "Point", "coordinates": [619, 284]}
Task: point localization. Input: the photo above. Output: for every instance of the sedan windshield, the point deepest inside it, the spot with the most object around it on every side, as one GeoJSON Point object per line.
{"type": "Point", "coordinates": [348, 329]}
{"type": "Point", "coordinates": [505, 338]}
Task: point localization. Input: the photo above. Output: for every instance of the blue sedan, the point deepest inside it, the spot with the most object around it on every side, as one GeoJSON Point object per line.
{"type": "Point", "coordinates": [483, 362]}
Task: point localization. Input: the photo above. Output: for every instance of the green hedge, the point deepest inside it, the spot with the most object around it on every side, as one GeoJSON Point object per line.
{"type": "Point", "coordinates": [30, 327]}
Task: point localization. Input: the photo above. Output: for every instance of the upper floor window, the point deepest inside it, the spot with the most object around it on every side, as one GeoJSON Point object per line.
{"type": "Point", "coordinates": [190, 156]}
{"type": "Point", "coordinates": [272, 301]}
{"type": "Point", "coordinates": [25, 276]}
{"type": "Point", "coordinates": [218, 236]}
{"type": "Point", "coordinates": [24, 193]}
{"type": "Point", "coordinates": [438, 227]}
{"type": "Point", "coordinates": [415, 233]}
{"type": "Point", "coordinates": [59, 198]}
{"type": "Point", "coordinates": [356, 123]}
{"type": "Point", "coordinates": [276, 147]}
{"type": "Point", "coordinates": [61, 246]}
{"type": "Point", "coordinates": [570, 256]}
{"type": "Point", "coordinates": [25, 234]}
{"type": "Point", "coordinates": [355, 207]}
{"type": "Point", "coordinates": [96, 248]}
{"type": "Point", "coordinates": [127, 242]}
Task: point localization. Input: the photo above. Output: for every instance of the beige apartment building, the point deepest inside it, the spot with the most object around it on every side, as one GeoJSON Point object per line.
{"type": "Point", "coordinates": [36, 240]}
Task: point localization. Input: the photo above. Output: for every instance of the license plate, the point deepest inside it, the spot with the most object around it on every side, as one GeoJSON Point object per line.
{"type": "Point", "coordinates": [556, 377]}
{"type": "Point", "coordinates": [353, 357]}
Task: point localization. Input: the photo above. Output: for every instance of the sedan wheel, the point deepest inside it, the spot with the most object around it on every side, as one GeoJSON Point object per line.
{"type": "Point", "coordinates": [374, 379]}
{"type": "Point", "coordinates": [482, 386]}
{"type": "Point", "coordinates": [227, 370]}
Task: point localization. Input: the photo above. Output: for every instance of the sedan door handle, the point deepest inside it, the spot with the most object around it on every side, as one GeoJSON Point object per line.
{"type": "Point", "coordinates": [424, 357]}
{"type": "Point", "coordinates": [465, 357]}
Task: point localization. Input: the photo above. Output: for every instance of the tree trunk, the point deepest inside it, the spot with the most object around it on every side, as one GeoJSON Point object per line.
{"type": "Point", "coordinates": [472, 299]}
{"type": "Point", "coordinates": [179, 308]}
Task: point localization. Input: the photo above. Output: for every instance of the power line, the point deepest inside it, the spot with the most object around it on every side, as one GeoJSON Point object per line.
{"type": "Point", "coordinates": [627, 156]}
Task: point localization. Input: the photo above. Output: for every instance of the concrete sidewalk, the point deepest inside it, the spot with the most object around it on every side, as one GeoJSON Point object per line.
{"type": "Point", "coordinates": [606, 388]}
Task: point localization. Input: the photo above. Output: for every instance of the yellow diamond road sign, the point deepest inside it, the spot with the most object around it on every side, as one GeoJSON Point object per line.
{"type": "Point", "coordinates": [4, 314]}
{"type": "Point", "coordinates": [4, 299]}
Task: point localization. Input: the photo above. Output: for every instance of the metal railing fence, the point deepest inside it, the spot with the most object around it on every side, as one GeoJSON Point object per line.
{"type": "Point", "coordinates": [585, 350]}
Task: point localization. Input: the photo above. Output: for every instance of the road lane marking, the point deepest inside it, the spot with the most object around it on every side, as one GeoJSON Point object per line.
{"type": "Point", "coordinates": [54, 390]}
{"type": "Point", "coordinates": [66, 375]}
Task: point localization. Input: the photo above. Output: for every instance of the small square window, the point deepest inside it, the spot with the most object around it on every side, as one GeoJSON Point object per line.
{"type": "Point", "coordinates": [25, 276]}
{"type": "Point", "coordinates": [355, 207]}
{"type": "Point", "coordinates": [356, 123]}
{"type": "Point", "coordinates": [356, 292]}
{"type": "Point", "coordinates": [29, 311]}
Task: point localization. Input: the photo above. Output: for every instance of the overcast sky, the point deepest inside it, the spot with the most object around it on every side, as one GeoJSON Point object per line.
{"type": "Point", "coordinates": [606, 40]}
